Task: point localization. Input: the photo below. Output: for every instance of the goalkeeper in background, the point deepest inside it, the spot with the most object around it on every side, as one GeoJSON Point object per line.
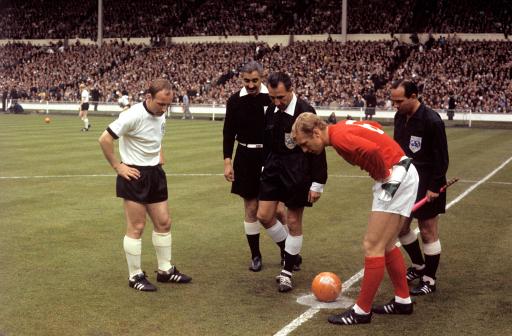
{"type": "Point", "coordinates": [396, 182]}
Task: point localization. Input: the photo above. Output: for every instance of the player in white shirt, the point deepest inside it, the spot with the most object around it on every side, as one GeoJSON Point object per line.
{"type": "Point", "coordinates": [124, 100]}
{"type": "Point", "coordinates": [142, 183]}
{"type": "Point", "coordinates": [84, 107]}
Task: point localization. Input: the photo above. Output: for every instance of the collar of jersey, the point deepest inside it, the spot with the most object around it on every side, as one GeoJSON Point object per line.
{"type": "Point", "coordinates": [146, 108]}
{"type": "Point", "coordinates": [263, 89]}
{"type": "Point", "coordinates": [290, 109]}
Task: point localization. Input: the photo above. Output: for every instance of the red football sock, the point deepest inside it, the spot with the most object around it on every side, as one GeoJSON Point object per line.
{"type": "Point", "coordinates": [373, 274]}
{"type": "Point", "coordinates": [396, 269]}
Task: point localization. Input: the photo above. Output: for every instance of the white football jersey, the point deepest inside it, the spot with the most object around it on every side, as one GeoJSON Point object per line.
{"type": "Point", "coordinates": [140, 136]}
{"type": "Point", "coordinates": [123, 101]}
{"type": "Point", "coordinates": [85, 96]}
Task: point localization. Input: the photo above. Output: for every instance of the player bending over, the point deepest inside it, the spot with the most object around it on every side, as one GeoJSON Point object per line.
{"type": "Point", "coordinates": [396, 182]}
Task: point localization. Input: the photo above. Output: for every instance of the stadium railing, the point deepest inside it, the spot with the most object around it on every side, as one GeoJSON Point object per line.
{"type": "Point", "coordinates": [217, 112]}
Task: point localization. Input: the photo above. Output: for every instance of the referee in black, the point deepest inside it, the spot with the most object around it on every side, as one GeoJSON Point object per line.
{"type": "Point", "coordinates": [290, 175]}
{"type": "Point", "coordinates": [421, 133]}
{"type": "Point", "coordinates": [244, 122]}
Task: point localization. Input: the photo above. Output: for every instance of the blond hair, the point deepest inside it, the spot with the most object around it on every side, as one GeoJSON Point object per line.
{"type": "Point", "coordinates": [306, 122]}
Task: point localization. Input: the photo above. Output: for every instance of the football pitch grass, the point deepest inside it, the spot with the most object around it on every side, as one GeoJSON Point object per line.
{"type": "Point", "coordinates": [63, 271]}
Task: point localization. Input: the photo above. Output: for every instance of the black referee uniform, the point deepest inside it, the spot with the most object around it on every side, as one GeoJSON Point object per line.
{"type": "Point", "coordinates": [288, 172]}
{"type": "Point", "coordinates": [244, 122]}
{"type": "Point", "coordinates": [423, 138]}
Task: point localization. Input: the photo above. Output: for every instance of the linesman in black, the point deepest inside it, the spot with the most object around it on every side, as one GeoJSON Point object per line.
{"type": "Point", "coordinates": [244, 122]}
{"type": "Point", "coordinates": [421, 133]}
{"type": "Point", "coordinates": [289, 175]}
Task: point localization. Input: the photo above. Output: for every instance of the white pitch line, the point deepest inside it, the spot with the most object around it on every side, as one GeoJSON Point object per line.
{"type": "Point", "coordinates": [51, 176]}
{"type": "Point", "coordinates": [502, 183]}
{"type": "Point", "coordinates": [112, 175]}
{"type": "Point", "coordinates": [470, 189]}
{"type": "Point", "coordinates": [297, 322]}
{"type": "Point", "coordinates": [191, 174]}
{"type": "Point", "coordinates": [92, 175]}
{"type": "Point", "coordinates": [356, 277]}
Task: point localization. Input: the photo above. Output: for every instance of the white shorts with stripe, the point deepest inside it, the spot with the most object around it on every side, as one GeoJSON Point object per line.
{"type": "Point", "coordinates": [404, 198]}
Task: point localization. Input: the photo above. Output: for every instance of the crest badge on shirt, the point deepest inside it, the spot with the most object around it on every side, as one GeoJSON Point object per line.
{"type": "Point", "coordinates": [415, 143]}
{"type": "Point", "coordinates": [288, 141]}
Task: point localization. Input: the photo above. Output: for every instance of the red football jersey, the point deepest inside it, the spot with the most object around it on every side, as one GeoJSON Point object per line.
{"type": "Point", "coordinates": [364, 143]}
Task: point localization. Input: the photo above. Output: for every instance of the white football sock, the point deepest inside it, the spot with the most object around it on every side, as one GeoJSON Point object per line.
{"type": "Point", "coordinates": [277, 232]}
{"type": "Point", "coordinates": [406, 300]}
{"type": "Point", "coordinates": [409, 238]}
{"type": "Point", "coordinates": [162, 243]}
{"type": "Point", "coordinates": [418, 267]}
{"type": "Point", "coordinates": [432, 248]}
{"type": "Point", "coordinates": [293, 244]}
{"type": "Point", "coordinates": [428, 279]}
{"type": "Point", "coordinates": [133, 250]}
{"type": "Point", "coordinates": [252, 228]}
{"type": "Point", "coordinates": [359, 311]}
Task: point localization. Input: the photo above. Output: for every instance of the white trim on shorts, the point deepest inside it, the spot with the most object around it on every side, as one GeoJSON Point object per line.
{"type": "Point", "coordinates": [405, 196]}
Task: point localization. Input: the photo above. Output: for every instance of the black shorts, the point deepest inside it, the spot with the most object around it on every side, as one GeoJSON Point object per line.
{"type": "Point", "coordinates": [84, 107]}
{"type": "Point", "coordinates": [247, 166]}
{"type": "Point", "coordinates": [286, 179]}
{"type": "Point", "coordinates": [150, 187]}
{"type": "Point", "coordinates": [430, 209]}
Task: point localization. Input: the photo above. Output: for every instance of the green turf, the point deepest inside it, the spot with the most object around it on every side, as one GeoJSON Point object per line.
{"type": "Point", "coordinates": [63, 272]}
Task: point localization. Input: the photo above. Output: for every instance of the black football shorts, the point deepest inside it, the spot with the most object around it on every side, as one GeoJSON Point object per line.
{"type": "Point", "coordinates": [150, 187]}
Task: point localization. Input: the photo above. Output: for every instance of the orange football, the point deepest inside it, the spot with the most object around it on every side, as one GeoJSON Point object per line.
{"type": "Point", "coordinates": [326, 286]}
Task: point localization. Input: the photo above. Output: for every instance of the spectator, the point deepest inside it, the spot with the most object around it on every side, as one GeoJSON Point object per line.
{"type": "Point", "coordinates": [95, 97]}
{"type": "Point", "coordinates": [370, 104]}
{"type": "Point", "coordinates": [332, 118]}
{"type": "Point", "coordinates": [452, 104]}
{"type": "Point", "coordinates": [186, 107]}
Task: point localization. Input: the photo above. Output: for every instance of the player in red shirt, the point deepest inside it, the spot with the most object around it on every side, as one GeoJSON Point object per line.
{"type": "Point", "coordinates": [396, 182]}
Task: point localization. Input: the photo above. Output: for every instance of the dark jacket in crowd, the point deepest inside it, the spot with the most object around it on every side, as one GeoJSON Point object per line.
{"type": "Point", "coordinates": [95, 95]}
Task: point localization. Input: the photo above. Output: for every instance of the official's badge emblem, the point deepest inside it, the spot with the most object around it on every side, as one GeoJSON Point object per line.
{"type": "Point", "coordinates": [415, 143]}
{"type": "Point", "coordinates": [288, 141]}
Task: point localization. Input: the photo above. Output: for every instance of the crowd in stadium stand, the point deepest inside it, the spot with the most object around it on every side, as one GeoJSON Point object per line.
{"type": "Point", "coordinates": [150, 18]}
{"type": "Point", "coordinates": [445, 16]}
{"type": "Point", "coordinates": [53, 72]}
{"type": "Point", "coordinates": [477, 74]}
{"type": "Point", "coordinates": [42, 19]}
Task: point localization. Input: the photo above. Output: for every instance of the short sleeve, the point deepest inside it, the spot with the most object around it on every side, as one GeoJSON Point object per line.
{"type": "Point", "coordinates": [122, 125]}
